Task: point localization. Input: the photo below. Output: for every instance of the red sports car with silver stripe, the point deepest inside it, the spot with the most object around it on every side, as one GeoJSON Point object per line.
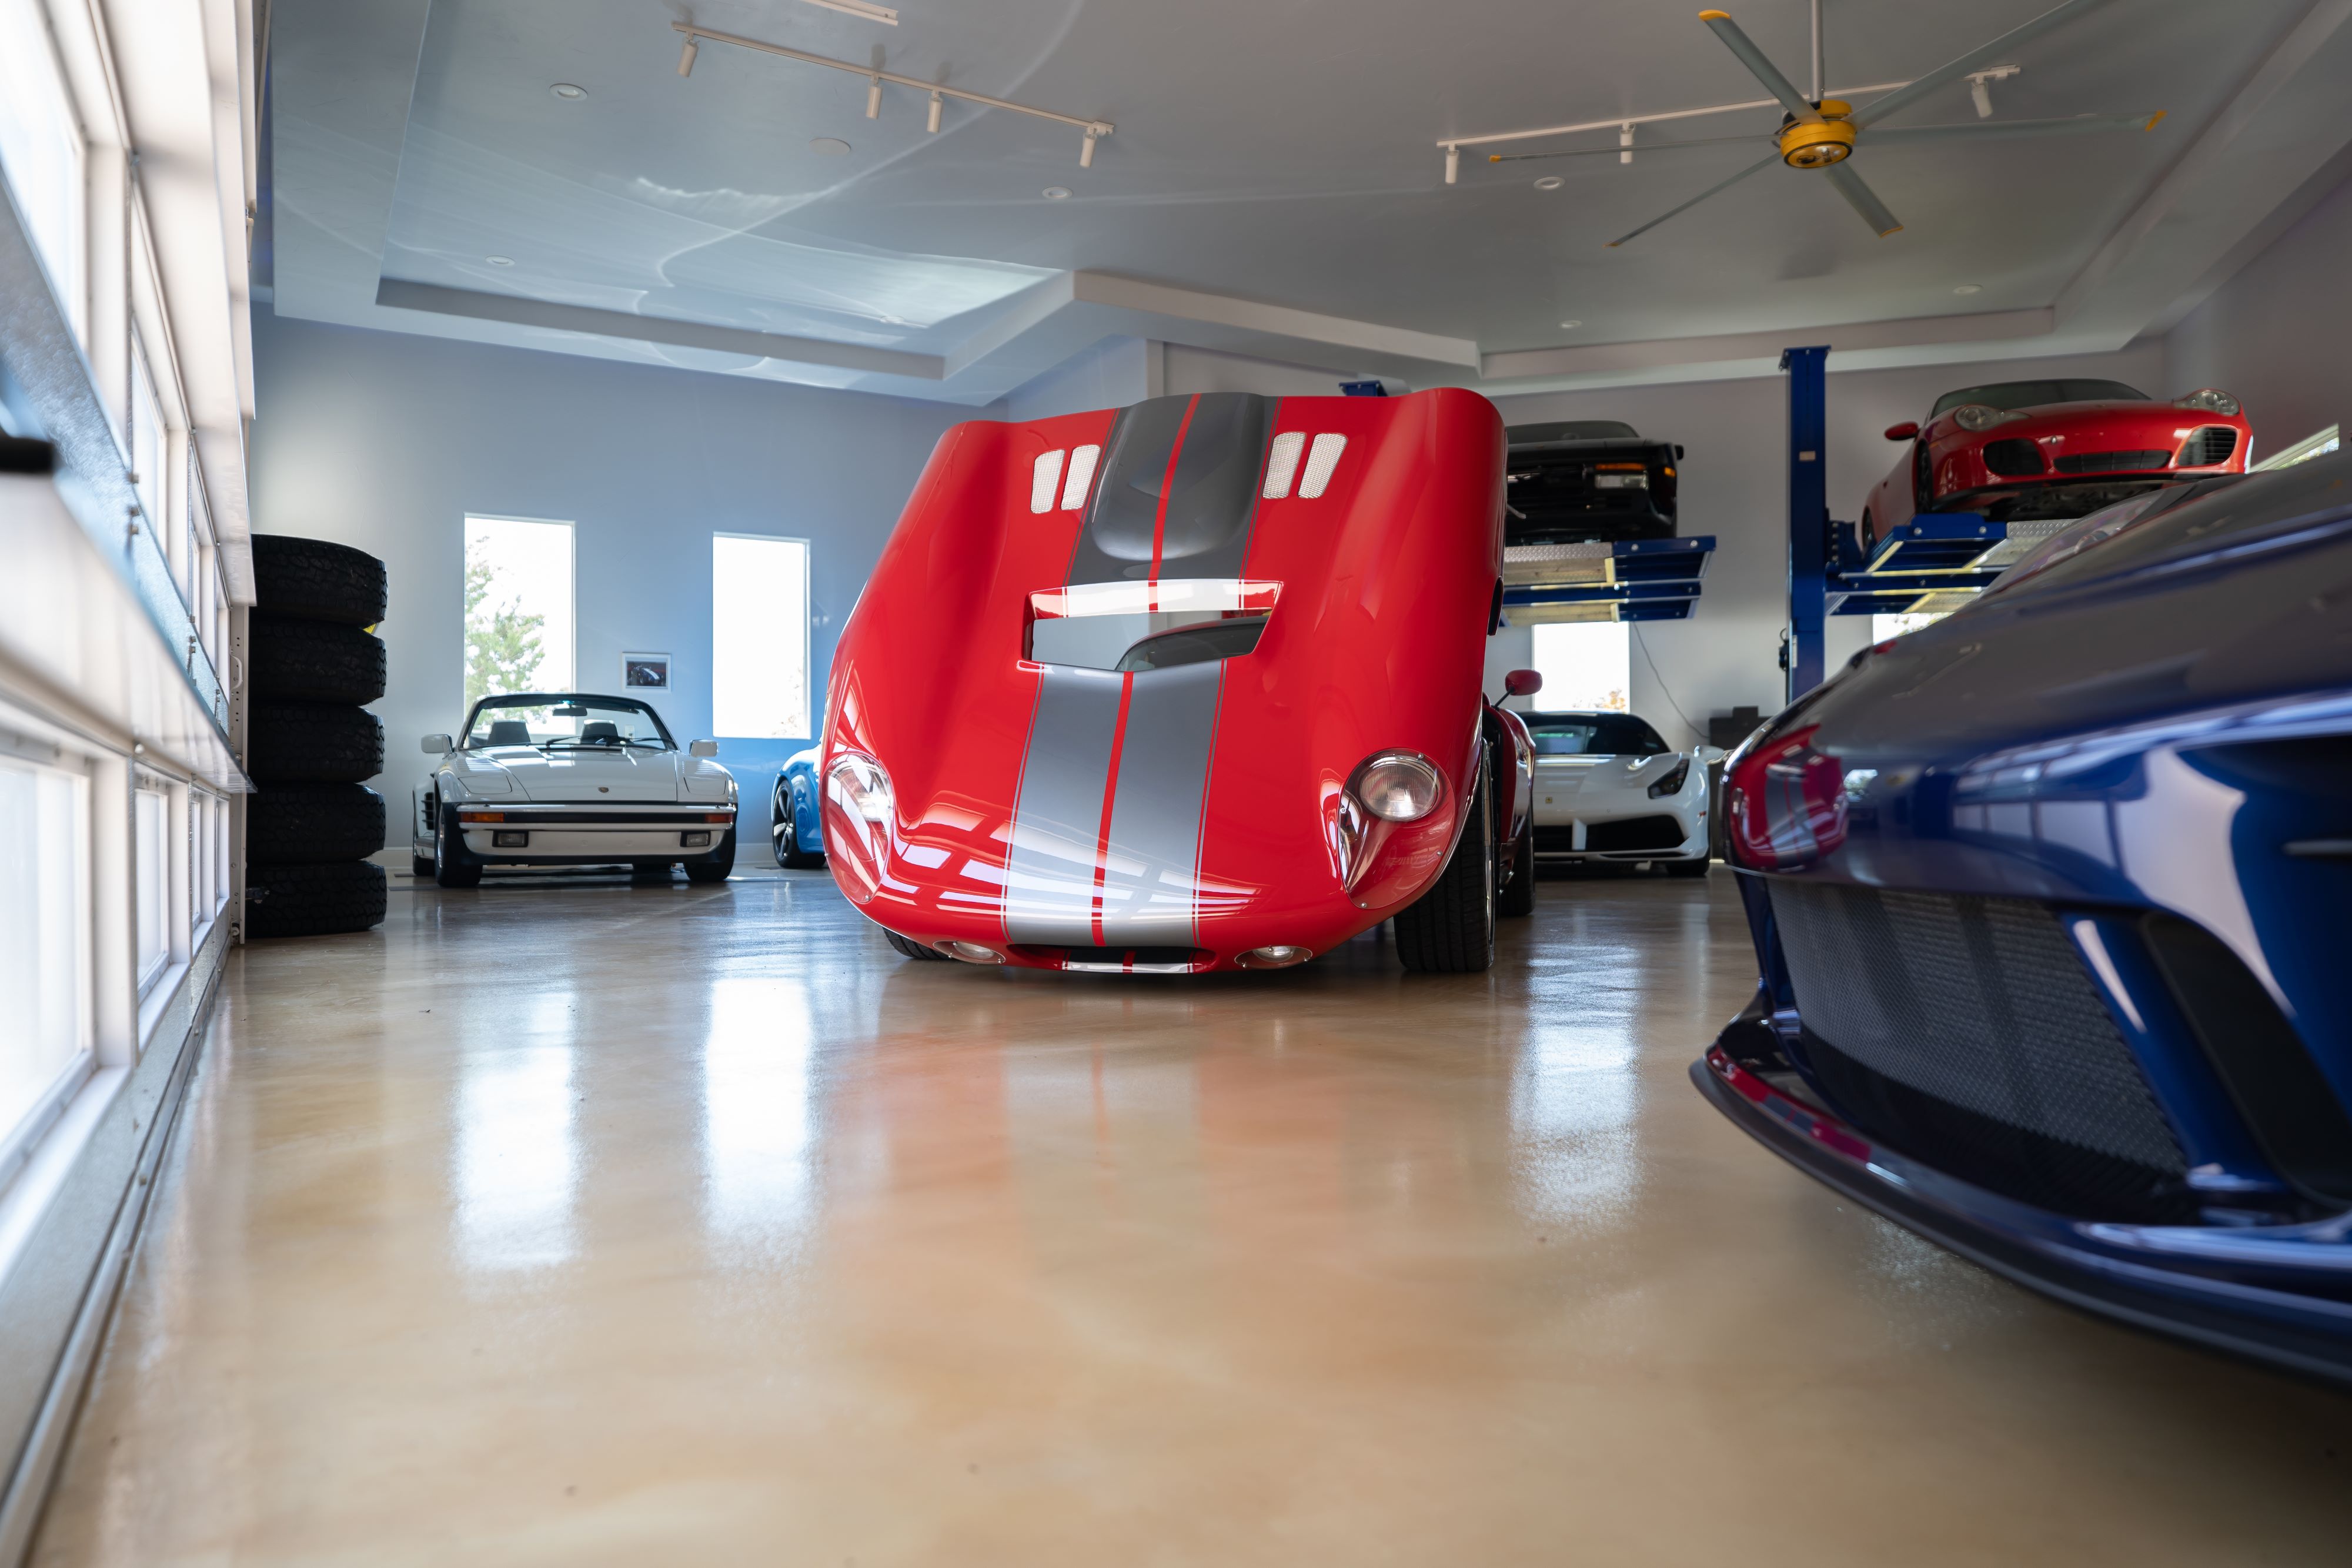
{"type": "Point", "coordinates": [1190, 685]}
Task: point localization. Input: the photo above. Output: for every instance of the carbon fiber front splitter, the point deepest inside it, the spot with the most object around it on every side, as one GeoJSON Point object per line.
{"type": "Point", "coordinates": [2106, 1269]}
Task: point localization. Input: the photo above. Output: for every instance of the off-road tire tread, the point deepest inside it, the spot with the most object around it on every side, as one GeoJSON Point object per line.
{"type": "Point", "coordinates": [312, 743]}
{"type": "Point", "coordinates": [315, 579]}
{"type": "Point", "coordinates": [313, 825]}
{"type": "Point", "coordinates": [313, 900]}
{"type": "Point", "coordinates": [289, 660]}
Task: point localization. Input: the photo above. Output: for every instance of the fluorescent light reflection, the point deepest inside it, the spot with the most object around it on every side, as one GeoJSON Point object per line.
{"type": "Point", "coordinates": [758, 1132]}
{"type": "Point", "coordinates": [517, 1163]}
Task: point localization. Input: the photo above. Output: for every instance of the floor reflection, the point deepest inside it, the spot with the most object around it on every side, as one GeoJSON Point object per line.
{"type": "Point", "coordinates": [757, 1128]}
{"type": "Point", "coordinates": [516, 1163]}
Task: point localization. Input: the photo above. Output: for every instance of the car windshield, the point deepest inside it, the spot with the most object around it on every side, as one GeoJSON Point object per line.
{"type": "Point", "coordinates": [565, 720]}
{"type": "Point", "coordinates": [2011, 396]}
{"type": "Point", "coordinates": [1592, 735]}
{"type": "Point", "coordinates": [1572, 430]}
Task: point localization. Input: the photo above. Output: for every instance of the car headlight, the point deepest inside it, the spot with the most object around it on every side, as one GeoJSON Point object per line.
{"type": "Point", "coordinates": [1672, 781]}
{"type": "Point", "coordinates": [2213, 399]}
{"type": "Point", "coordinates": [1977, 416]}
{"type": "Point", "coordinates": [1398, 785]}
{"type": "Point", "coordinates": [858, 783]}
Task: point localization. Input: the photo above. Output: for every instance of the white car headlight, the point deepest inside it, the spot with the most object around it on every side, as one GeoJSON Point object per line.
{"type": "Point", "coordinates": [2214, 398]}
{"type": "Point", "coordinates": [860, 785]}
{"type": "Point", "coordinates": [1398, 785]}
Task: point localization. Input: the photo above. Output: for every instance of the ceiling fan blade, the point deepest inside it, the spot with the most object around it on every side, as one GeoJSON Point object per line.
{"type": "Point", "coordinates": [1695, 200]}
{"type": "Point", "coordinates": [1975, 60]}
{"type": "Point", "coordinates": [1994, 129]}
{"type": "Point", "coordinates": [1765, 71]}
{"type": "Point", "coordinates": [1864, 200]}
{"type": "Point", "coordinates": [1645, 148]}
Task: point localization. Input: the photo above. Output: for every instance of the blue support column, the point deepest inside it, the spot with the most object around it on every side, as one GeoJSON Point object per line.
{"type": "Point", "coordinates": [1809, 515]}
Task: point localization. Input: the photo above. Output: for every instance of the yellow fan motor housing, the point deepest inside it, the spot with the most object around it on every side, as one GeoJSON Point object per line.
{"type": "Point", "coordinates": [1818, 145]}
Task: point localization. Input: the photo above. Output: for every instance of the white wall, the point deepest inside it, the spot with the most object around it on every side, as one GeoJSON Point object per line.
{"type": "Point", "coordinates": [2279, 334]}
{"type": "Point", "coordinates": [386, 441]}
{"type": "Point", "coordinates": [1113, 373]}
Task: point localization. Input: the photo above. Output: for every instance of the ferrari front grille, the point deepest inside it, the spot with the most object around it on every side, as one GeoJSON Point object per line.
{"type": "Point", "coordinates": [2113, 462]}
{"type": "Point", "coordinates": [1964, 1032]}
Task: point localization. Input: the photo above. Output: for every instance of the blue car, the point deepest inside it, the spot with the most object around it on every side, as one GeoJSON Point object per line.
{"type": "Point", "coordinates": [2052, 901]}
{"type": "Point", "coordinates": [795, 833]}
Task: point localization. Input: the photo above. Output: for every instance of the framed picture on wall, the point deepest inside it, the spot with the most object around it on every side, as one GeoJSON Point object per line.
{"type": "Point", "coordinates": [642, 672]}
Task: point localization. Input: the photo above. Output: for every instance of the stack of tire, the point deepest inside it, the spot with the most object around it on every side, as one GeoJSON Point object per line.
{"type": "Point", "coordinates": [310, 663]}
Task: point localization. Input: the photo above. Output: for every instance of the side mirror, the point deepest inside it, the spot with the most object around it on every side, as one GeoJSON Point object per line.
{"type": "Point", "coordinates": [1906, 431]}
{"type": "Point", "coordinates": [438, 745]}
{"type": "Point", "coordinates": [1712, 754]}
{"type": "Point", "coordinates": [1678, 451]}
{"type": "Point", "coordinates": [702, 749]}
{"type": "Point", "coordinates": [1522, 682]}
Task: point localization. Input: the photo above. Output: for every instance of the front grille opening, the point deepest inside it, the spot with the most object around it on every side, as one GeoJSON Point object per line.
{"type": "Point", "coordinates": [2293, 1112]}
{"type": "Point", "coordinates": [2213, 444]}
{"type": "Point", "coordinates": [1963, 1033]}
{"type": "Point", "coordinates": [1634, 834]}
{"type": "Point", "coordinates": [2113, 462]}
{"type": "Point", "coordinates": [1113, 957]}
{"type": "Point", "coordinates": [2015, 458]}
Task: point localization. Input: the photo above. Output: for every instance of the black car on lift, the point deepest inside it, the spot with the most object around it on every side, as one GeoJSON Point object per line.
{"type": "Point", "coordinates": [1580, 481]}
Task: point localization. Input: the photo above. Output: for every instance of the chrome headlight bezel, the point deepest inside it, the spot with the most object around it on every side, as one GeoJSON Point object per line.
{"type": "Point", "coordinates": [1396, 784]}
{"type": "Point", "coordinates": [860, 785]}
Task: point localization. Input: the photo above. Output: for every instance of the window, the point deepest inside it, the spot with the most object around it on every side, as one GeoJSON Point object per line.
{"type": "Point", "coordinates": [44, 938]}
{"type": "Point", "coordinates": [41, 149]}
{"type": "Point", "coordinates": [1586, 666]}
{"type": "Point", "coordinates": [518, 625]}
{"type": "Point", "coordinates": [2319, 444]}
{"type": "Point", "coordinates": [152, 873]}
{"type": "Point", "coordinates": [147, 444]}
{"type": "Point", "coordinates": [758, 637]}
{"type": "Point", "coordinates": [1882, 627]}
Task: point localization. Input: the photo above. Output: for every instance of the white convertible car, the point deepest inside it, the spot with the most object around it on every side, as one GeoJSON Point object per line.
{"type": "Point", "coordinates": [1608, 788]}
{"type": "Point", "coordinates": [565, 778]}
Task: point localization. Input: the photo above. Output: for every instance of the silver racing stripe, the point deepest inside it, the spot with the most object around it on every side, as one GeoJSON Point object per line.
{"type": "Point", "coordinates": [1151, 873]}
{"type": "Point", "coordinates": [1049, 873]}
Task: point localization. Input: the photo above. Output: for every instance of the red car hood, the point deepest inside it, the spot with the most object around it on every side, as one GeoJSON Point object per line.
{"type": "Point", "coordinates": [1042, 808]}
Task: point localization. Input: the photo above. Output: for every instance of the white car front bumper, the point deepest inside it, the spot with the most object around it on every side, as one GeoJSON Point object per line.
{"type": "Point", "coordinates": [589, 834]}
{"type": "Point", "coordinates": [1603, 810]}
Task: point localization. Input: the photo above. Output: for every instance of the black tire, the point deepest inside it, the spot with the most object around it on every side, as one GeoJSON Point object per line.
{"type": "Point", "coordinates": [1518, 895]}
{"type": "Point", "coordinates": [311, 824]}
{"type": "Point", "coordinates": [716, 867]}
{"type": "Point", "coordinates": [1449, 929]}
{"type": "Point", "coordinates": [419, 867]}
{"type": "Point", "coordinates": [313, 900]}
{"type": "Point", "coordinates": [316, 581]}
{"type": "Point", "coordinates": [312, 743]}
{"type": "Point", "coordinates": [454, 865]}
{"type": "Point", "coordinates": [312, 661]}
{"type": "Point", "coordinates": [908, 948]}
{"type": "Point", "coordinates": [1699, 866]}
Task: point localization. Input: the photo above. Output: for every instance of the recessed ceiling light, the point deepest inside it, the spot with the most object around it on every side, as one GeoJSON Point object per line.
{"type": "Point", "coordinates": [499, 260]}
{"type": "Point", "coordinates": [1057, 193]}
{"type": "Point", "coordinates": [565, 89]}
{"type": "Point", "coordinates": [1572, 324]}
{"type": "Point", "coordinates": [1970, 289]}
{"type": "Point", "coordinates": [829, 146]}
{"type": "Point", "coordinates": [1549, 182]}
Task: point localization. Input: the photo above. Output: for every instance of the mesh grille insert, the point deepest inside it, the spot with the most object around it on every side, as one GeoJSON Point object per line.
{"type": "Point", "coordinates": [2112, 462]}
{"type": "Point", "coordinates": [1964, 1033]}
{"type": "Point", "coordinates": [2212, 445]}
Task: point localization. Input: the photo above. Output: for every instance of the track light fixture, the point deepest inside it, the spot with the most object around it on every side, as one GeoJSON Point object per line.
{"type": "Point", "coordinates": [686, 58]}
{"type": "Point", "coordinates": [1094, 129]}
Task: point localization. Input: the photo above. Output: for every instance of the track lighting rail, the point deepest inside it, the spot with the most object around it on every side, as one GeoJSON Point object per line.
{"type": "Point", "coordinates": [1452, 146]}
{"type": "Point", "coordinates": [1094, 129]}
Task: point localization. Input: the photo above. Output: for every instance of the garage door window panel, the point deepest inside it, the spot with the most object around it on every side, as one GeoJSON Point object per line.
{"type": "Point", "coordinates": [45, 948]}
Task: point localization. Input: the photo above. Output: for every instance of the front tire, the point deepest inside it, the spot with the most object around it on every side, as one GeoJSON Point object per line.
{"type": "Point", "coordinates": [453, 865]}
{"type": "Point", "coordinates": [1697, 867]}
{"type": "Point", "coordinates": [1449, 929]}
{"type": "Point", "coordinates": [1518, 895]}
{"type": "Point", "coordinates": [716, 867]}
{"type": "Point", "coordinates": [787, 835]}
{"type": "Point", "coordinates": [908, 948]}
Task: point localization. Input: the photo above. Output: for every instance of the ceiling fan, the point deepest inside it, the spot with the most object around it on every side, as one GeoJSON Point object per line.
{"type": "Point", "coordinates": [1819, 134]}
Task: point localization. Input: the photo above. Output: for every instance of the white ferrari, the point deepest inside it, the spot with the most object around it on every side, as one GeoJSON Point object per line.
{"type": "Point", "coordinates": [1609, 789]}
{"type": "Point", "coordinates": [565, 778]}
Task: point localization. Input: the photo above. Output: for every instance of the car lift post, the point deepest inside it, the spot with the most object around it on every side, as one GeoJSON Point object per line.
{"type": "Point", "coordinates": [1809, 517]}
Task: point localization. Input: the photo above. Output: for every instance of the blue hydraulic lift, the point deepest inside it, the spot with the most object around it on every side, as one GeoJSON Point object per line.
{"type": "Point", "coordinates": [1938, 560]}
{"type": "Point", "coordinates": [1623, 580]}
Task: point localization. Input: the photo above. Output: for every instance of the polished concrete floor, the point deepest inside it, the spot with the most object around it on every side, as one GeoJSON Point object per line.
{"type": "Point", "coordinates": [580, 1223]}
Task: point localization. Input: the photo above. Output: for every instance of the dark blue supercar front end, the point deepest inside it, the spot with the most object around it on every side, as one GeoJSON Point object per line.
{"type": "Point", "coordinates": [2054, 905]}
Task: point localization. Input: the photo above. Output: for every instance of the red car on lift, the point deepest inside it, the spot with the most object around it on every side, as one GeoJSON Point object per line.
{"type": "Point", "coordinates": [2035, 451]}
{"type": "Point", "coordinates": [1190, 686]}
